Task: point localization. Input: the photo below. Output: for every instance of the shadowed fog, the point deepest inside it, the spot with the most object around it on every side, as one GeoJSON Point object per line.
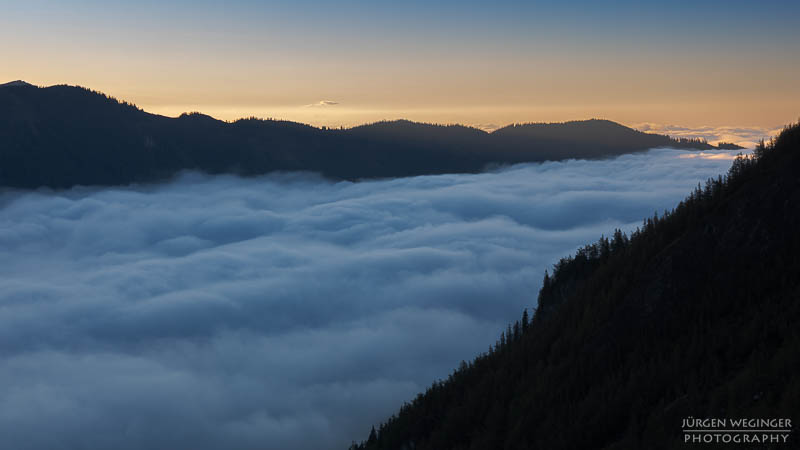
{"type": "Point", "coordinates": [282, 312]}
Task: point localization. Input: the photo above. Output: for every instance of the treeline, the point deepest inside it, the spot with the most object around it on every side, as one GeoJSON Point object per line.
{"type": "Point", "coordinates": [694, 314]}
{"type": "Point", "coordinates": [63, 136]}
{"type": "Point", "coordinates": [690, 141]}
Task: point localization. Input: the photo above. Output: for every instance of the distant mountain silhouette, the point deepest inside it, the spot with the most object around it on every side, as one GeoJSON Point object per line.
{"type": "Point", "coordinates": [694, 315]}
{"type": "Point", "coordinates": [61, 136]}
{"type": "Point", "coordinates": [16, 83]}
{"type": "Point", "coordinates": [728, 146]}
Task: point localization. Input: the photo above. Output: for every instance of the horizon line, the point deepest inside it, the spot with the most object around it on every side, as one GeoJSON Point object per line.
{"type": "Point", "coordinates": [485, 129]}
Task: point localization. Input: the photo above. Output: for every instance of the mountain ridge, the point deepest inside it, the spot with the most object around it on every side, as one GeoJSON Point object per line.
{"type": "Point", "coordinates": [61, 136]}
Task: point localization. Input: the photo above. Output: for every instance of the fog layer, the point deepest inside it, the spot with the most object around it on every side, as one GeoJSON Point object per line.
{"type": "Point", "coordinates": [285, 311]}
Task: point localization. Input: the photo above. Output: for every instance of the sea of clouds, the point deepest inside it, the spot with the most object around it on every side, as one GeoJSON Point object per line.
{"type": "Point", "coordinates": [284, 311]}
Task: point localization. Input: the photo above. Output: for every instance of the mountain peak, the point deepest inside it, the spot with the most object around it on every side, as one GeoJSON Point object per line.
{"type": "Point", "coordinates": [16, 83]}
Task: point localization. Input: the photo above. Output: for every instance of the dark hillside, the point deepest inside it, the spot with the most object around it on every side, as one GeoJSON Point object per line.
{"type": "Point", "coordinates": [588, 136]}
{"type": "Point", "coordinates": [63, 136]}
{"type": "Point", "coordinates": [694, 315]}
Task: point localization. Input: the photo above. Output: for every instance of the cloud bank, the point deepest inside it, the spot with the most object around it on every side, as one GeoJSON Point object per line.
{"type": "Point", "coordinates": [744, 136]}
{"type": "Point", "coordinates": [285, 311]}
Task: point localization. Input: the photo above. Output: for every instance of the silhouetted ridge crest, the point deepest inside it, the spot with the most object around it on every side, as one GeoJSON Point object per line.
{"type": "Point", "coordinates": [61, 136]}
{"type": "Point", "coordinates": [16, 83]}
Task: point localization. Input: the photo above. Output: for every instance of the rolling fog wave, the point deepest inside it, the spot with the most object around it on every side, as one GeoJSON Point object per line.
{"type": "Point", "coordinates": [283, 311]}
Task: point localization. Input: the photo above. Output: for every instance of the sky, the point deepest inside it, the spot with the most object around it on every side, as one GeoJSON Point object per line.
{"type": "Point", "coordinates": [283, 311]}
{"type": "Point", "coordinates": [679, 63]}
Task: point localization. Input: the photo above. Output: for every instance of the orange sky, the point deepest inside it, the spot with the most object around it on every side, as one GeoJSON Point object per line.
{"type": "Point", "coordinates": [685, 63]}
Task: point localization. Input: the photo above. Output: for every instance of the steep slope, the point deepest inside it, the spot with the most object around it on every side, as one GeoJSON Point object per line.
{"type": "Point", "coordinates": [694, 315]}
{"type": "Point", "coordinates": [61, 136]}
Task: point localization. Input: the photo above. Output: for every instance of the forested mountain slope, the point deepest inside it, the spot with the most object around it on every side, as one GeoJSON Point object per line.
{"type": "Point", "coordinates": [62, 136]}
{"type": "Point", "coordinates": [694, 315]}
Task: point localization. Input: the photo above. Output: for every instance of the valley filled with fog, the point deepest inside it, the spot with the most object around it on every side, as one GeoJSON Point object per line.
{"type": "Point", "coordinates": [283, 311]}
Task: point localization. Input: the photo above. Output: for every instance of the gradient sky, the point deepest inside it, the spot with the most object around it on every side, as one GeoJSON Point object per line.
{"type": "Point", "coordinates": [481, 63]}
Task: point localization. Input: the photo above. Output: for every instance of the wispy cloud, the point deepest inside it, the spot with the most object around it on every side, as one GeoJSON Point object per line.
{"type": "Point", "coordinates": [710, 155]}
{"type": "Point", "coordinates": [488, 127]}
{"type": "Point", "coordinates": [323, 103]}
{"type": "Point", "coordinates": [292, 314]}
